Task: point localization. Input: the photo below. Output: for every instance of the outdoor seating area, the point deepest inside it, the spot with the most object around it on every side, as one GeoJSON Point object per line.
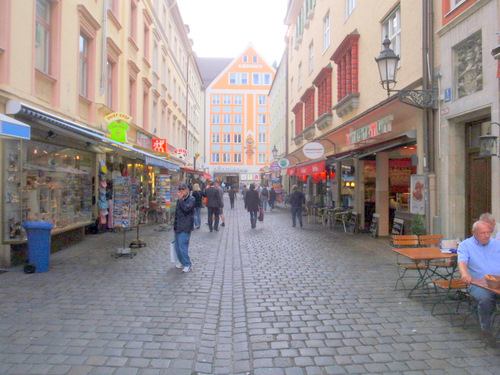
{"type": "Point", "coordinates": [430, 272]}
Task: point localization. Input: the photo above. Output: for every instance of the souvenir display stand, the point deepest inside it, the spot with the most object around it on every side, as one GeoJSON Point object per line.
{"type": "Point", "coordinates": [164, 199]}
{"type": "Point", "coordinates": [125, 209]}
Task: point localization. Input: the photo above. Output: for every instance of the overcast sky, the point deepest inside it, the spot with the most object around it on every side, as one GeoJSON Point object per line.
{"type": "Point", "coordinates": [224, 28]}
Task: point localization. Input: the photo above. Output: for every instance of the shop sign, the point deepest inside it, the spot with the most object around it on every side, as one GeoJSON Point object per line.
{"type": "Point", "coordinates": [313, 150]}
{"type": "Point", "coordinates": [266, 169]}
{"type": "Point", "coordinates": [275, 166]}
{"type": "Point", "coordinates": [118, 126]}
{"type": "Point", "coordinates": [417, 196]}
{"type": "Point", "coordinates": [159, 145]}
{"type": "Point", "coordinates": [181, 153]}
{"type": "Point", "coordinates": [283, 163]}
{"type": "Point", "coordinates": [374, 129]}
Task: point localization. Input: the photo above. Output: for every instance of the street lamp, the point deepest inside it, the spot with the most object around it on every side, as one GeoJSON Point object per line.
{"type": "Point", "coordinates": [387, 63]}
{"type": "Point", "coordinates": [488, 143]}
{"type": "Point", "coordinates": [275, 152]}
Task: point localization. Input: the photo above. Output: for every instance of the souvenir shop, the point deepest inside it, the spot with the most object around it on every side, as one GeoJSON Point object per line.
{"type": "Point", "coordinates": [64, 174]}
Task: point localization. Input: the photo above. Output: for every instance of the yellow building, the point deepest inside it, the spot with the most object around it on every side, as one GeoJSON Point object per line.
{"type": "Point", "coordinates": [99, 83]}
{"type": "Point", "coordinates": [237, 116]}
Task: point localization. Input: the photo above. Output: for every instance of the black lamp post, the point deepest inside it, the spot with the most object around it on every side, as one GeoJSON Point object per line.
{"type": "Point", "coordinates": [387, 63]}
{"type": "Point", "coordinates": [488, 143]}
{"type": "Point", "coordinates": [275, 152]}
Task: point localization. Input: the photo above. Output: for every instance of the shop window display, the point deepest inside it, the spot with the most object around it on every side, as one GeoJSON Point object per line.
{"type": "Point", "coordinates": [46, 183]}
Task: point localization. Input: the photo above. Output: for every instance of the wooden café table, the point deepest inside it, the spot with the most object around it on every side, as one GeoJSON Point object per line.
{"type": "Point", "coordinates": [423, 255]}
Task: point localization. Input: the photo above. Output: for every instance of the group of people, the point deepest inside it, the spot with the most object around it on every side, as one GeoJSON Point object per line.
{"type": "Point", "coordinates": [478, 256]}
{"type": "Point", "coordinates": [266, 195]}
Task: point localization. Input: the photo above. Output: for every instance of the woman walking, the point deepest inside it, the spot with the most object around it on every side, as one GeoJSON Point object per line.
{"type": "Point", "coordinates": [252, 203]}
{"type": "Point", "coordinates": [198, 196]}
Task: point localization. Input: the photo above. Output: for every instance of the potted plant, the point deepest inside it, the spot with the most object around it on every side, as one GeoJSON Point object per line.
{"type": "Point", "coordinates": [418, 225]}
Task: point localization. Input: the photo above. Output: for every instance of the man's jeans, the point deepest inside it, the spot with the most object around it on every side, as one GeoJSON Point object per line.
{"type": "Point", "coordinates": [197, 216]}
{"type": "Point", "coordinates": [297, 211]}
{"type": "Point", "coordinates": [213, 211]}
{"type": "Point", "coordinates": [486, 305]}
{"type": "Point", "coordinates": [263, 202]}
{"type": "Point", "coordinates": [181, 241]}
{"type": "Point", "coordinates": [253, 218]}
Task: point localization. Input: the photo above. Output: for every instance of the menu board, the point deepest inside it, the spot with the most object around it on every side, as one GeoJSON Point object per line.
{"type": "Point", "coordinates": [125, 202]}
{"type": "Point", "coordinates": [353, 222]}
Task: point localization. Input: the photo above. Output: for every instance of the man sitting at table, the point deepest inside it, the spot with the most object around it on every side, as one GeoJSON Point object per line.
{"type": "Point", "coordinates": [477, 256]}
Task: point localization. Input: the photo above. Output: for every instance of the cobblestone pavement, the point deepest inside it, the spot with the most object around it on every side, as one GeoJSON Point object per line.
{"type": "Point", "coordinates": [275, 300]}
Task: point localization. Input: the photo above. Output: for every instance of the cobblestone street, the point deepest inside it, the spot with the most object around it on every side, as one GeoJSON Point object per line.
{"type": "Point", "coordinates": [275, 300]}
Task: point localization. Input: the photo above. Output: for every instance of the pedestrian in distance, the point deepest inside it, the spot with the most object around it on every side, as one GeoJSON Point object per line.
{"type": "Point", "coordinates": [183, 225]}
{"type": "Point", "coordinates": [252, 204]}
{"type": "Point", "coordinates": [220, 189]}
{"type": "Point", "coordinates": [479, 255]}
{"type": "Point", "coordinates": [213, 207]}
{"type": "Point", "coordinates": [297, 200]}
{"type": "Point", "coordinates": [244, 192]}
{"type": "Point", "coordinates": [232, 196]}
{"type": "Point", "coordinates": [198, 196]}
{"type": "Point", "coordinates": [272, 198]}
{"type": "Point", "coordinates": [264, 197]}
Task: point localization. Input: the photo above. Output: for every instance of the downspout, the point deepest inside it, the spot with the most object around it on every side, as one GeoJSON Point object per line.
{"type": "Point", "coordinates": [187, 100]}
{"type": "Point", "coordinates": [104, 42]}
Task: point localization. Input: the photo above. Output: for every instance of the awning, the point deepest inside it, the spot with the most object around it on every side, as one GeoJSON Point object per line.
{"type": "Point", "coordinates": [193, 171]}
{"type": "Point", "coordinates": [291, 171]}
{"type": "Point", "coordinates": [87, 134]}
{"type": "Point", "coordinates": [207, 176]}
{"type": "Point", "coordinates": [10, 127]}
{"type": "Point", "coordinates": [311, 168]}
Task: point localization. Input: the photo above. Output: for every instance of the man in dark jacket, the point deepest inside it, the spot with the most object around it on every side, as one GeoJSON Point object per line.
{"type": "Point", "coordinates": [252, 203]}
{"type": "Point", "coordinates": [232, 196]}
{"type": "Point", "coordinates": [183, 225]}
{"type": "Point", "coordinates": [297, 199]}
{"type": "Point", "coordinates": [214, 203]}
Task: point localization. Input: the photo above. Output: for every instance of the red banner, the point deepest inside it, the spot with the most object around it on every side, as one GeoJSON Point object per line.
{"type": "Point", "coordinates": [159, 145]}
{"type": "Point", "coordinates": [291, 171]}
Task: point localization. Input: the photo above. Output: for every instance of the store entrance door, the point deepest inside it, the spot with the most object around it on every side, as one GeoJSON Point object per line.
{"type": "Point", "coordinates": [478, 179]}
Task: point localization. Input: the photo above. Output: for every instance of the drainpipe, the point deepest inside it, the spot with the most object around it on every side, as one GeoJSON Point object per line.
{"type": "Point", "coordinates": [187, 100]}
{"type": "Point", "coordinates": [104, 42]}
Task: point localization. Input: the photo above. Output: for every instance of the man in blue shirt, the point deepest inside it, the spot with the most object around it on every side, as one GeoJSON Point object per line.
{"type": "Point", "coordinates": [477, 256]}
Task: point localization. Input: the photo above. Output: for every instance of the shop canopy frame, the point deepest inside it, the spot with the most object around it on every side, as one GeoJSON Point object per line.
{"type": "Point", "coordinates": [14, 129]}
{"type": "Point", "coordinates": [89, 135]}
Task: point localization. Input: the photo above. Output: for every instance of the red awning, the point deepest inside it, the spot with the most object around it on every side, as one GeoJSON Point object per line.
{"type": "Point", "coordinates": [291, 171]}
{"type": "Point", "coordinates": [207, 176]}
{"type": "Point", "coordinates": [193, 171]}
{"type": "Point", "coordinates": [310, 169]}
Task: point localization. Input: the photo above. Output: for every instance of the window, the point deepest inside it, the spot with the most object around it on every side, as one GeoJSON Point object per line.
{"type": "Point", "coordinates": [237, 158]}
{"type": "Point", "coordinates": [226, 119]}
{"type": "Point", "coordinates": [456, 3]}
{"type": "Point", "coordinates": [311, 57]}
{"type": "Point", "coordinates": [226, 157]}
{"type": "Point", "coordinates": [215, 157]}
{"type": "Point", "coordinates": [349, 7]}
{"type": "Point", "coordinates": [299, 80]}
{"type": "Point", "coordinates": [391, 28]}
{"type": "Point", "coordinates": [133, 20]}
{"type": "Point", "coordinates": [42, 42]}
{"type": "Point", "coordinates": [262, 119]}
{"type": "Point", "coordinates": [215, 138]}
{"type": "Point", "coordinates": [83, 65]}
{"type": "Point", "coordinates": [227, 99]}
{"type": "Point", "coordinates": [262, 99]}
{"type": "Point", "coordinates": [238, 119]}
{"type": "Point", "coordinates": [215, 99]}
{"type": "Point", "coordinates": [109, 84]}
{"type": "Point", "coordinates": [346, 58]}
{"type": "Point", "coordinates": [238, 78]}
{"type": "Point", "coordinates": [237, 138]}
{"type": "Point", "coordinates": [291, 88]}
{"type": "Point", "coordinates": [262, 137]}
{"type": "Point", "coordinates": [238, 99]}
{"type": "Point", "coordinates": [261, 79]}
{"type": "Point", "coordinates": [215, 118]}
{"type": "Point", "coordinates": [146, 42]}
{"type": "Point", "coordinates": [245, 58]}
{"type": "Point", "coordinates": [226, 138]}
{"type": "Point", "coordinates": [262, 158]}
{"type": "Point", "coordinates": [255, 59]}
{"type": "Point", "coordinates": [326, 32]}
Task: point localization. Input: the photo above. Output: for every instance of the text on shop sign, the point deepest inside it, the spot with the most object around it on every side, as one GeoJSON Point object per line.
{"type": "Point", "coordinates": [374, 129]}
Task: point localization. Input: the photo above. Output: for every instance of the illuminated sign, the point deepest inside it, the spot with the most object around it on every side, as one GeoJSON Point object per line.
{"type": "Point", "coordinates": [159, 145]}
{"type": "Point", "coordinates": [374, 129]}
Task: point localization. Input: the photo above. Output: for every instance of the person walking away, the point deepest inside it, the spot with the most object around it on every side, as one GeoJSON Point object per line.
{"type": "Point", "coordinates": [477, 256]}
{"type": "Point", "coordinates": [232, 196]}
{"type": "Point", "coordinates": [213, 207]}
{"type": "Point", "coordinates": [244, 192]}
{"type": "Point", "coordinates": [183, 225]}
{"type": "Point", "coordinates": [264, 197]}
{"type": "Point", "coordinates": [252, 204]}
{"type": "Point", "coordinates": [220, 189]}
{"type": "Point", "coordinates": [297, 199]}
{"type": "Point", "coordinates": [198, 196]}
{"type": "Point", "coordinates": [272, 198]}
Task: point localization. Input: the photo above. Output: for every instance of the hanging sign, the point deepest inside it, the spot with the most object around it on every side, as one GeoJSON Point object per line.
{"type": "Point", "coordinates": [313, 150]}
{"type": "Point", "coordinates": [275, 166]}
{"type": "Point", "coordinates": [159, 145]}
{"type": "Point", "coordinates": [283, 163]}
{"type": "Point", "coordinates": [118, 126]}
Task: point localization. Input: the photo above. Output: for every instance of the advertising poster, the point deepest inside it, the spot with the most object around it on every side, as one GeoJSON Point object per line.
{"type": "Point", "coordinates": [417, 196]}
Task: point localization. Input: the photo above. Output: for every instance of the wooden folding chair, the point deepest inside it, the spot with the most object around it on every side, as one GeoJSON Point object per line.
{"type": "Point", "coordinates": [435, 240]}
{"type": "Point", "coordinates": [400, 241]}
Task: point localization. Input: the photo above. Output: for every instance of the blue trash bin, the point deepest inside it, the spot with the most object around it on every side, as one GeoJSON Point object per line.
{"type": "Point", "coordinates": [38, 244]}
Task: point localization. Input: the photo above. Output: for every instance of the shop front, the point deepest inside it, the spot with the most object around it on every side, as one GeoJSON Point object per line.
{"type": "Point", "coordinates": [376, 157]}
{"type": "Point", "coordinates": [64, 175]}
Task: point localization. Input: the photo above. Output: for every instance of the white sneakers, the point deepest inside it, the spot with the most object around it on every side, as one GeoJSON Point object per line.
{"type": "Point", "coordinates": [179, 266]}
{"type": "Point", "coordinates": [187, 269]}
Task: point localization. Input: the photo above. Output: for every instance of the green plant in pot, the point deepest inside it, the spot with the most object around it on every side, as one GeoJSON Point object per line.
{"type": "Point", "coordinates": [418, 225]}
